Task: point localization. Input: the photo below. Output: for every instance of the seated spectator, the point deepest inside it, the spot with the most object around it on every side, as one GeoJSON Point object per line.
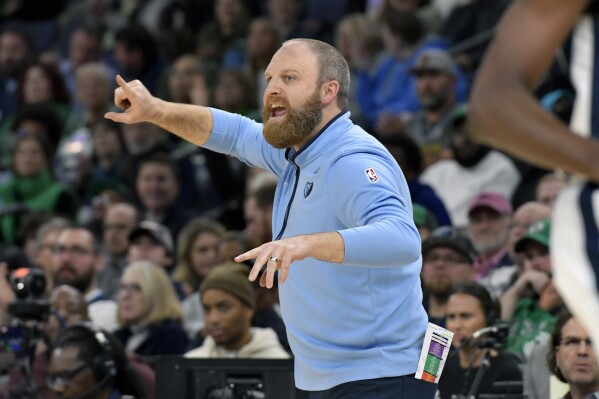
{"type": "Point", "coordinates": [499, 280]}
{"type": "Point", "coordinates": [228, 300]}
{"type": "Point", "coordinates": [532, 302]}
{"type": "Point", "coordinates": [119, 221]}
{"type": "Point", "coordinates": [571, 358]}
{"type": "Point", "coordinates": [75, 261]}
{"type": "Point", "coordinates": [489, 217]}
{"type": "Point", "coordinates": [32, 185]}
{"type": "Point", "coordinates": [89, 362]}
{"type": "Point", "coordinates": [149, 312]}
{"type": "Point", "coordinates": [436, 79]}
{"type": "Point", "coordinates": [477, 168]}
{"type": "Point", "coordinates": [447, 257]}
{"type": "Point", "coordinates": [469, 309]}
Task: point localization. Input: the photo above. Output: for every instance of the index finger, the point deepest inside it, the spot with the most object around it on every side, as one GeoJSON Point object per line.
{"type": "Point", "coordinates": [122, 84]}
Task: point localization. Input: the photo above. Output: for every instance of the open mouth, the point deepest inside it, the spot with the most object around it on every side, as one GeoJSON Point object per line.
{"type": "Point", "coordinates": [277, 112]}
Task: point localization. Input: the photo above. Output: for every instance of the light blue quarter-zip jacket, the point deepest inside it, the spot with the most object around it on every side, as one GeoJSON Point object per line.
{"type": "Point", "coordinates": [363, 318]}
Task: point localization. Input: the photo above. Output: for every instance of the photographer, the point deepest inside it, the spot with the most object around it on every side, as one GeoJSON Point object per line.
{"type": "Point", "coordinates": [470, 309]}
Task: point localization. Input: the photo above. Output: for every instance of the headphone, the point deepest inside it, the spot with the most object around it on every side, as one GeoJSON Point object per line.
{"type": "Point", "coordinates": [104, 365]}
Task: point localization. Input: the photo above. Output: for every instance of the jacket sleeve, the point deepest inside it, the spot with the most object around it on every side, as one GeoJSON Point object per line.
{"type": "Point", "coordinates": [370, 197]}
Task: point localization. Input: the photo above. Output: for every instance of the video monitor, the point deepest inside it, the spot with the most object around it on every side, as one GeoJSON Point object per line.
{"type": "Point", "coordinates": [179, 377]}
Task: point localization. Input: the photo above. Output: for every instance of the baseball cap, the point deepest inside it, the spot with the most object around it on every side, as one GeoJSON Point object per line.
{"type": "Point", "coordinates": [155, 230]}
{"type": "Point", "coordinates": [538, 232]}
{"type": "Point", "coordinates": [423, 218]}
{"type": "Point", "coordinates": [494, 201]}
{"type": "Point", "coordinates": [434, 60]}
{"type": "Point", "coordinates": [449, 237]}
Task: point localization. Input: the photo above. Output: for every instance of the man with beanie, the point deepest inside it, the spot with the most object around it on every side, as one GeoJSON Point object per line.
{"type": "Point", "coordinates": [228, 300]}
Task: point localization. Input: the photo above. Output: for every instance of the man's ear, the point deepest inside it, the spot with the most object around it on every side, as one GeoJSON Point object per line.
{"type": "Point", "coordinates": [330, 90]}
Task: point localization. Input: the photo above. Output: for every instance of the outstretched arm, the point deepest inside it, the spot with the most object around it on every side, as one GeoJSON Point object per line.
{"type": "Point", "coordinates": [190, 122]}
{"type": "Point", "coordinates": [503, 111]}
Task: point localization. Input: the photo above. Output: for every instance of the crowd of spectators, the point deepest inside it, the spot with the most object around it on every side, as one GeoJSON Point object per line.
{"type": "Point", "coordinates": [135, 229]}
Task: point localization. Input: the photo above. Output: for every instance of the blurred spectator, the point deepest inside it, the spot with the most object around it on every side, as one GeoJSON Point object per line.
{"type": "Point", "coordinates": [470, 308]}
{"type": "Point", "coordinates": [235, 93]}
{"type": "Point", "coordinates": [198, 252]}
{"type": "Point", "coordinates": [157, 186]}
{"type": "Point", "coordinates": [388, 94]}
{"type": "Point", "coordinates": [136, 56]}
{"type": "Point", "coordinates": [489, 218]}
{"type": "Point", "coordinates": [153, 242]}
{"type": "Point", "coordinates": [76, 259]}
{"type": "Point", "coordinates": [32, 185]}
{"type": "Point", "coordinates": [262, 43]}
{"type": "Point", "coordinates": [257, 210]}
{"type": "Point", "coordinates": [226, 33]}
{"type": "Point", "coordinates": [571, 358]}
{"type": "Point", "coordinates": [197, 189]}
{"type": "Point", "coordinates": [287, 15]}
{"type": "Point", "coordinates": [500, 279]}
{"type": "Point", "coordinates": [42, 83]}
{"type": "Point", "coordinates": [228, 300]}
{"type": "Point", "coordinates": [37, 119]}
{"type": "Point", "coordinates": [46, 239]}
{"type": "Point", "coordinates": [436, 80]}
{"type": "Point", "coordinates": [447, 261]}
{"type": "Point", "coordinates": [532, 302]}
{"type": "Point", "coordinates": [109, 151]}
{"type": "Point", "coordinates": [478, 169]}
{"type": "Point", "coordinates": [426, 11]}
{"type": "Point", "coordinates": [190, 81]}
{"type": "Point", "coordinates": [94, 93]}
{"type": "Point", "coordinates": [16, 52]}
{"type": "Point", "coordinates": [548, 188]}
{"type": "Point", "coordinates": [361, 43]}
{"type": "Point", "coordinates": [119, 221]}
{"type": "Point", "coordinates": [85, 46]}
{"type": "Point", "coordinates": [149, 312]}
{"type": "Point", "coordinates": [470, 28]}
{"type": "Point", "coordinates": [75, 168]}
{"type": "Point", "coordinates": [234, 243]}
{"type": "Point", "coordinates": [408, 156]}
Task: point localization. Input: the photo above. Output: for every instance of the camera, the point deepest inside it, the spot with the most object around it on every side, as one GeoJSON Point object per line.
{"type": "Point", "coordinates": [20, 338]}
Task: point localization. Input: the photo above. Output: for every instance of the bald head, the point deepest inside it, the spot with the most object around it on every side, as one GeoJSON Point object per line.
{"type": "Point", "coordinates": [120, 219]}
{"type": "Point", "coordinates": [525, 216]}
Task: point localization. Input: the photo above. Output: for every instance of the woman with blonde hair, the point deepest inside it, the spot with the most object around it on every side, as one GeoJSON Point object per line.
{"type": "Point", "coordinates": [149, 312]}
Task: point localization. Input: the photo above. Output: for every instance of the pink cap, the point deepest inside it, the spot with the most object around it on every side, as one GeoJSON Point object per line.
{"type": "Point", "coordinates": [494, 201]}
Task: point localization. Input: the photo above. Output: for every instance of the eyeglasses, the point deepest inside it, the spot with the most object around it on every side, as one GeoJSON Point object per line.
{"type": "Point", "coordinates": [572, 342]}
{"type": "Point", "coordinates": [76, 251]}
{"type": "Point", "coordinates": [61, 379]}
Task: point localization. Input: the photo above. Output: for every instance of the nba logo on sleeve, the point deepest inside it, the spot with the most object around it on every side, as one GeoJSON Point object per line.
{"type": "Point", "coordinates": [371, 174]}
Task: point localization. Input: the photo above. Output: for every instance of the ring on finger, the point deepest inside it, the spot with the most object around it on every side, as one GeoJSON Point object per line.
{"type": "Point", "coordinates": [274, 259]}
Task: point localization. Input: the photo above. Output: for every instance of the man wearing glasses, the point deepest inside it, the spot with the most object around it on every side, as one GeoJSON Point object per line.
{"type": "Point", "coordinates": [572, 360]}
{"type": "Point", "coordinates": [76, 258]}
